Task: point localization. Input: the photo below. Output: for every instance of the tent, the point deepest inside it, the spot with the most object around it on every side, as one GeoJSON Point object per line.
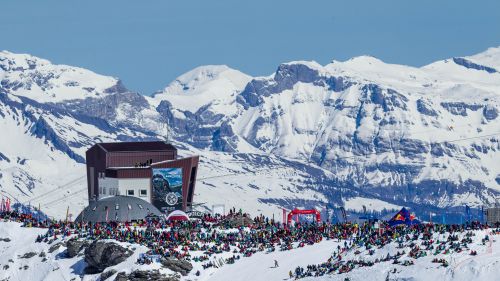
{"type": "Point", "coordinates": [403, 217]}
{"type": "Point", "coordinates": [177, 215]}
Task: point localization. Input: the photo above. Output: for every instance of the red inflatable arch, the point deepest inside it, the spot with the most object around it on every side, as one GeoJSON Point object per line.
{"type": "Point", "coordinates": [297, 212]}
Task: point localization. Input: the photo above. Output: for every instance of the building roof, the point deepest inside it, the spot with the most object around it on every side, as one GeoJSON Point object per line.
{"type": "Point", "coordinates": [136, 146]}
{"type": "Point", "coordinates": [118, 208]}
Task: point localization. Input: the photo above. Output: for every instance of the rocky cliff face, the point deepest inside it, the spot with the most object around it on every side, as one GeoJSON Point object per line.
{"type": "Point", "coordinates": [361, 128]}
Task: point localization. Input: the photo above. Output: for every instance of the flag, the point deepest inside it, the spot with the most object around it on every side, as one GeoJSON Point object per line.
{"type": "Point", "coordinates": [344, 215]}
{"type": "Point", "coordinates": [403, 217]}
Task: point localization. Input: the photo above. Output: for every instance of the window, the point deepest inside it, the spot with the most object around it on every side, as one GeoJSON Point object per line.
{"type": "Point", "coordinates": [130, 192]}
{"type": "Point", "coordinates": [143, 192]}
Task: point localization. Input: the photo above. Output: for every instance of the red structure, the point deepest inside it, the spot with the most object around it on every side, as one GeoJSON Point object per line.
{"type": "Point", "coordinates": [177, 216]}
{"type": "Point", "coordinates": [296, 212]}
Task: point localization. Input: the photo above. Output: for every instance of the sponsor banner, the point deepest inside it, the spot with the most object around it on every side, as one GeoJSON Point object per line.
{"type": "Point", "coordinates": [195, 214]}
{"type": "Point", "coordinates": [167, 189]}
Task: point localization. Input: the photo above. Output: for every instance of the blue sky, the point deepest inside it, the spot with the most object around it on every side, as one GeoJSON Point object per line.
{"type": "Point", "coordinates": [149, 43]}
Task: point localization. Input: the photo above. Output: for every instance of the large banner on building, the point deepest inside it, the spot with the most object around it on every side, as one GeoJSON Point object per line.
{"type": "Point", "coordinates": [167, 189]}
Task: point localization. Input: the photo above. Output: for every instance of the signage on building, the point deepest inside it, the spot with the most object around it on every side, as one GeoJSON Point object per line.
{"type": "Point", "coordinates": [167, 189]}
{"type": "Point", "coordinates": [196, 214]}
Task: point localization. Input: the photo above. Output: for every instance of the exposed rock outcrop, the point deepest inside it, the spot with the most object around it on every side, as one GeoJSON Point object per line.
{"type": "Point", "coordinates": [143, 275]}
{"type": "Point", "coordinates": [100, 254]}
{"type": "Point", "coordinates": [74, 247]}
{"type": "Point", "coordinates": [180, 266]}
{"type": "Point", "coordinates": [105, 275]}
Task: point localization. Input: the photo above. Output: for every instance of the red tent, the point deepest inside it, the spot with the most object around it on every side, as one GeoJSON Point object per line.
{"type": "Point", "coordinates": [177, 215]}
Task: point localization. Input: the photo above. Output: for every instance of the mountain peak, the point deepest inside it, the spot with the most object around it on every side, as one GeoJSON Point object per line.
{"type": "Point", "coordinates": [38, 79]}
{"type": "Point", "coordinates": [193, 81]}
{"type": "Point", "coordinates": [205, 73]}
{"type": "Point", "coordinates": [208, 83]}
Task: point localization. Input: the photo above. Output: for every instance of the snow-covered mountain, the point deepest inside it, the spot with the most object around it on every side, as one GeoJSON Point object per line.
{"type": "Point", "coordinates": [353, 133]}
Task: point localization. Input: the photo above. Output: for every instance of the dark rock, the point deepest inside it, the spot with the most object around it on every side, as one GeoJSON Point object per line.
{"type": "Point", "coordinates": [181, 266]}
{"type": "Point", "coordinates": [28, 255]}
{"type": "Point", "coordinates": [469, 64]}
{"type": "Point", "coordinates": [107, 274]}
{"type": "Point", "coordinates": [55, 247]}
{"type": "Point", "coordinates": [42, 254]}
{"type": "Point", "coordinates": [99, 255]}
{"type": "Point", "coordinates": [425, 108]}
{"type": "Point", "coordinates": [4, 239]}
{"type": "Point", "coordinates": [122, 276]}
{"type": "Point", "coordinates": [74, 247]}
{"type": "Point", "coordinates": [460, 108]}
{"type": "Point", "coordinates": [142, 275]}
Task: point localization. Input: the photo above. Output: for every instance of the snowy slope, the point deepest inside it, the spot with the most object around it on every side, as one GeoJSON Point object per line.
{"type": "Point", "coordinates": [464, 267]}
{"type": "Point", "coordinates": [48, 266]}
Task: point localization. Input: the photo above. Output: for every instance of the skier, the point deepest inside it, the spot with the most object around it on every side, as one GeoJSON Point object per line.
{"type": "Point", "coordinates": [276, 263]}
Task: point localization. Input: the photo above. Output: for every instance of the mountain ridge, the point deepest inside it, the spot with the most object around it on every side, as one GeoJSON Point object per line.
{"type": "Point", "coordinates": [371, 130]}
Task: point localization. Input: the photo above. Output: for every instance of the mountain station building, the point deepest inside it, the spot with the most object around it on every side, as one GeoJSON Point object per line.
{"type": "Point", "coordinates": [151, 171]}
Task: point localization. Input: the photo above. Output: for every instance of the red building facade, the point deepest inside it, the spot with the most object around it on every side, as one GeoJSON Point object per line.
{"type": "Point", "coordinates": [127, 168]}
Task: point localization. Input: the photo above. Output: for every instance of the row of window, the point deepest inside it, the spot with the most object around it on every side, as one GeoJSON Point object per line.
{"type": "Point", "coordinates": [142, 192]}
{"type": "Point", "coordinates": [115, 191]}
{"type": "Point", "coordinates": [109, 191]}
{"type": "Point", "coordinates": [117, 207]}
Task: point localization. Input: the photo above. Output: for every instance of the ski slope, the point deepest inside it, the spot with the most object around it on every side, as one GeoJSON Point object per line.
{"type": "Point", "coordinates": [261, 265]}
